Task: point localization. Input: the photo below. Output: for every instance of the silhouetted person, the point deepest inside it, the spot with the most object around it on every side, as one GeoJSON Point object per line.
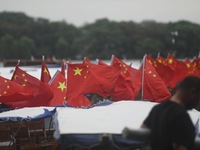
{"type": "Point", "coordinates": [170, 124]}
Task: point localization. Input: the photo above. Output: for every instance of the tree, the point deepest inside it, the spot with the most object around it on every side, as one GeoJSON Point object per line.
{"type": "Point", "coordinates": [26, 47]}
{"type": "Point", "coordinates": [7, 47]}
{"type": "Point", "coordinates": [62, 47]}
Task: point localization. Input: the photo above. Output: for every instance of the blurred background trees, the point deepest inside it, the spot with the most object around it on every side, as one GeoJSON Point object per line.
{"type": "Point", "coordinates": [22, 37]}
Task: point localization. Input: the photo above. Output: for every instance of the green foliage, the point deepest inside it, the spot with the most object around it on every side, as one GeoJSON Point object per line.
{"type": "Point", "coordinates": [22, 37]}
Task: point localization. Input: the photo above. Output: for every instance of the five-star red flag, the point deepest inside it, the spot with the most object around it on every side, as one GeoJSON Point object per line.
{"type": "Point", "coordinates": [45, 74]}
{"type": "Point", "coordinates": [76, 78]}
{"type": "Point", "coordinates": [161, 60]}
{"type": "Point", "coordinates": [166, 72]}
{"type": "Point", "coordinates": [13, 92]}
{"type": "Point", "coordinates": [59, 88]}
{"type": "Point", "coordinates": [41, 91]}
{"type": "Point", "coordinates": [129, 82]}
{"type": "Point", "coordinates": [154, 89]}
{"type": "Point", "coordinates": [103, 78]}
{"type": "Point", "coordinates": [91, 79]}
{"type": "Point", "coordinates": [192, 68]}
{"type": "Point", "coordinates": [196, 62]}
{"type": "Point", "coordinates": [180, 68]}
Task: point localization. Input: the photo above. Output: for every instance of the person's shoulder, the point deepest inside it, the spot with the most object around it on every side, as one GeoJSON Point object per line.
{"type": "Point", "coordinates": [170, 106]}
{"type": "Point", "coordinates": [163, 104]}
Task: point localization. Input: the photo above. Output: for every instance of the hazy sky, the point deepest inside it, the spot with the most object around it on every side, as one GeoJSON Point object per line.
{"type": "Point", "coordinates": [79, 12]}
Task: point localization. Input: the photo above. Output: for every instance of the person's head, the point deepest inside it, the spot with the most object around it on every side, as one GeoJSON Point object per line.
{"type": "Point", "coordinates": [188, 91]}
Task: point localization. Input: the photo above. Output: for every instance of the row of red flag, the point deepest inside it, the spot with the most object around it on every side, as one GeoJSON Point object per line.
{"type": "Point", "coordinates": [118, 80]}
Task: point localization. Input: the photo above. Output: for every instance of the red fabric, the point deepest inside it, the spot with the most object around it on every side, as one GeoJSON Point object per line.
{"type": "Point", "coordinates": [136, 77]}
{"type": "Point", "coordinates": [196, 62]}
{"type": "Point", "coordinates": [161, 60]}
{"type": "Point", "coordinates": [166, 72]}
{"type": "Point", "coordinates": [154, 88]}
{"type": "Point", "coordinates": [76, 78]}
{"type": "Point", "coordinates": [59, 88]}
{"type": "Point", "coordinates": [45, 74]}
{"type": "Point", "coordinates": [91, 79]}
{"type": "Point", "coordinates": [86, 60]}
{"type": "Point", "coordinates": [192, 68]}
{"type": "Point", "coordinates": [41, 91]}
{"type": "Point", "coordinates": [180, 68]}
{"type": "Point", "coordinates": [129, 82]}
{"type": "Point", "coordinates": [13, 92]}
{"type": "Point", "coordinates": [79, 101]}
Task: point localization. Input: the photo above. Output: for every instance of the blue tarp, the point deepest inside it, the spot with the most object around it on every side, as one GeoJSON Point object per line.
{"type": "Point", "coordinates": [27, 114]}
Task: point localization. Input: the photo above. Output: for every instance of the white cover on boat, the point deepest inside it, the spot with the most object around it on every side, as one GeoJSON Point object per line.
{"type": "Point", "coordinates": [106, 119]}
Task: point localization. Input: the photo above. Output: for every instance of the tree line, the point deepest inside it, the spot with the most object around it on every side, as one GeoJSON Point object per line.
{"type": "Point", "coordinates": [22, 36]}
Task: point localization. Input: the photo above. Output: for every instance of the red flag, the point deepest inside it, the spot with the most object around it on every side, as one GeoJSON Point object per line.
{"type": "Point", "coordinates": [161, 60]}
{"type": "Point", "coordinates": [196, 66]}
{"type": "Point", "coordinates": [59, 88]}
{"type": "Point", "coordinates": [171, 60]}
{"type": "Point", "coordinates": [13, 92]}
{"type": "Point", "coordinates": [41, 91]}
{"type": "Point", "coordinates": [196, 62]}
{"type": "Point", "coordinates": [136, 77]}
{"type": "Point", "coordinates": [180, 70]}
{"type": "Point", "coordinates": [90, 78]}
{"type": "Point", "coordinates": [76, 78]}
{"type": "Point", "coordinates": [129, 82]}
{"type": "Point", "coordinates": [45, 74]}
{"type": "Point", "coordinates": [86, 60]}
{"type": "Point", "coordinates": [79, 101]}
{"type": "Point", "coordinates": [154, 89]}
{"type": "Point", "coordinates": [166, 72]}
{"type": "Point", "coordinates": [103, 78]}
{"type": "Point", "coordinates": [192, 68]}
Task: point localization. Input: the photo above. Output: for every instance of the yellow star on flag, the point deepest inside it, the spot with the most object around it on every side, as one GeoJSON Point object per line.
{"type": "Point", "coordinates": [170, 61]}
{"type": "Point", "coordinates": [188, 65]}
{"type": "Point", "coordinates": [61, 86]}
{"type": "Point", "coordinates": [159, 60]}
{"type": "Point", "coordinates": [77, 71]}
{"type": "Point", "coordinates": [45, 70]}
{"type": "Point", "coordinates": [150, 62]}
{"type": "Point", "coordinates": [15, 76]}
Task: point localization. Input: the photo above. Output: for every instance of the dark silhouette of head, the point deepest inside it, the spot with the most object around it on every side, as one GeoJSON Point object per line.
{"type": "Point", "coordinates": [188, 91]}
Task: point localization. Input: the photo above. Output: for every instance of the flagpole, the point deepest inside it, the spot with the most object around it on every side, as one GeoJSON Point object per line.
{"type": "Point", "coordinates": [111, 61]}
{"type": "Point", "coordinates": [43, 57]}
{"type": "Point", "coordinates": [158, 55]}
{"type": "Point", "coordinates": [63, 67]}
{"type": "Point", "coordinates": [168, 55]}
{"type": "Point", "coordinates": [97, 60]}
{"type": "Point", "coordinates": [18, 62]}
{"type": "Point", "coordinates": [143, 67]}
